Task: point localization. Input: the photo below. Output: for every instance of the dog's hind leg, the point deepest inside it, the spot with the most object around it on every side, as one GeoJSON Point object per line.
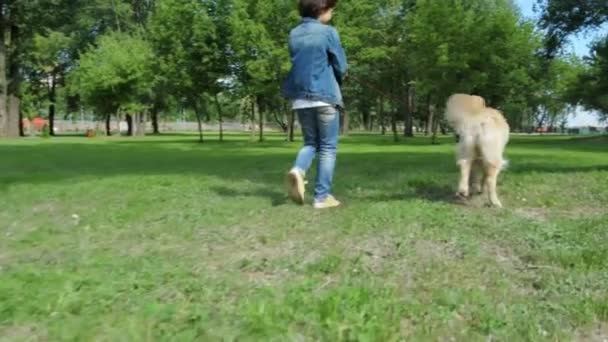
{"type": "Point", "coordinates": [492, 172]}
{"type": "Point", "coordinates": [492, 150]}
{"type": "Point", "coordinates": [477, 177]}
{"type": "Point", "coordinates": [466, 156]}
{"type": "Point", "coordinates": [465, 174]}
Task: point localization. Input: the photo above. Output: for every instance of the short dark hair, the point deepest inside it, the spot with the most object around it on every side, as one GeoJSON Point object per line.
{"type": "Point", "coordinates": [314, 8]}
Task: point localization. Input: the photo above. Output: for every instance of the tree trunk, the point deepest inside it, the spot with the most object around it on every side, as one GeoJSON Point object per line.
{"type": "Point", "coordinates": [108, 127]}
{"type": "Point", "coordinates": [11, 82]}
{"type": "Point", "coordinates": [141, 124]}
{"type": "Point", "coordinates": [394, 126]}
{"type": "Point", "coordinates": [220, 117]}
{"type": "Point", "coordinates": [154, 114]}
{"type": "Point", "coordinates": [13, 122]}
{"type": "Point", "coordinates": [3, 77]}
{"type": "Point", "coordinates": [260, 119]}
{"type": "Point", "coordinates": [129, 120]}
{"type": "Point", "coordinates": [261, 136]}
{"type": "Point", "coordinates": [435, 125]}
{"type": "Point", "coordinates": [430, 117]}
{"type": "Point", "coordinates": [52, 99]}
{"type": "Point", "coordinates": [279, 118]}
{"type": "Point", "coordinates": [52, 119]}
{"type": "Point", "coordinates": [291, 126]}
{"type": "Point", "coordinates": [381, 115]}
{"type": "Point", "coordinates": [199, 120]}
{"type": "Point", "coordinates": [406, 120]}
{"type": "Point", "coordinates": [345, 122]}
{"type": "Point", "coordinates": [5, 64]}
{"type": "Point", "coordinates": [21, 128]}
{"type": "Point", "coordinates": [253, 125]}
{"type": "Point", "coordinates": [366, 118]}
{"type": "Point", "coordinates": [409, 112]}
{"type": "Point", "coordinates": [285, 111]}
{"type": "Point", "coordinates": [137, 125]}
{"type": "Point", "coordinates": [134, 124]}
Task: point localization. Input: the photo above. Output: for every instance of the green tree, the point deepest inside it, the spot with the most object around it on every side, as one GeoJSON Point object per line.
{"type": "Point", "coordinates": [111, 79]}
{"type": "Point", "coordinates": [189, 61]}
{"type": "Point", "coordinates": [563, 18]}
{"type": "Point", "coordinates": [475, 46]}
{"type": "Point", "coordinates": [591, 88]}
{"type": "Point", "coordinates": [50, 60]}
{"type": "Point", "coordinates": [261, 59]}
{"type": "Point", "coordinates": [371, 36]}
{"type": "Point", "coordinates": [17, 24]}
{"type": "Point", "coordinates": [553, 98]}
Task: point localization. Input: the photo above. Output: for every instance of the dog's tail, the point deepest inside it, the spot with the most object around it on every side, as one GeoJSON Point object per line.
{"type": "Point", "coordinates": [505, 165]}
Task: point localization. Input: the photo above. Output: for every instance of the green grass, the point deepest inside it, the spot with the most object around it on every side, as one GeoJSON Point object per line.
{"type": "Point", "coordinates": [165, 239]}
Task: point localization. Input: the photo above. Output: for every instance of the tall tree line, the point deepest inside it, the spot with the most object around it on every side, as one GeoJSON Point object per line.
{"type": "Point", "coordinates": [213, 60]}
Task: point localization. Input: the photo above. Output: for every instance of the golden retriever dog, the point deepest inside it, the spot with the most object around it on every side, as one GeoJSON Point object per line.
{"type": "Point", "coordinates": [484, 134]}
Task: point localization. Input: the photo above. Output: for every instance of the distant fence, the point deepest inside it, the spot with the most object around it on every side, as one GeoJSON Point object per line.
{"type": "Point", "coordinates": [66, 126]}
{"type": "Point", "coordinates": [73, 127]}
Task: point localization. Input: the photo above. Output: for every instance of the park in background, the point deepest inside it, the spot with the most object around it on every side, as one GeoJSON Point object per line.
{"type": "Point", "coordinates": [142, 66]}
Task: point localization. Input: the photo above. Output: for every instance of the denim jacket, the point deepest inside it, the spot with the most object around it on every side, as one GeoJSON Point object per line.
{"type": "Point", "coordinates": [318, 63]}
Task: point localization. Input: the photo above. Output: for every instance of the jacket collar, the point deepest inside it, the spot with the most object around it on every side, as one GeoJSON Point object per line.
{"type": "Point", "coordinates": [310, 20]}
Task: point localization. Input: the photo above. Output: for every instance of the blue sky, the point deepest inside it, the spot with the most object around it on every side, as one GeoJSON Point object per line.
{"type": "Point", "coordinates": [579, 44]}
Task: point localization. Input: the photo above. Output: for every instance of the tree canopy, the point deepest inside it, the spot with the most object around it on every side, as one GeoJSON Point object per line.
{"type": "Point", "coordinates": [162, 57]}
{"type": "Point", "coordinates": [561, 19]}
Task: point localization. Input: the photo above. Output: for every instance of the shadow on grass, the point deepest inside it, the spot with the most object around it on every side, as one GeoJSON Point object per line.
{"type": "Point", "coordinates": [416, 190]}
{"type": "Point", "coordinates": [434, 192]}
{"type": "Point", "coordinates": [277, 198]}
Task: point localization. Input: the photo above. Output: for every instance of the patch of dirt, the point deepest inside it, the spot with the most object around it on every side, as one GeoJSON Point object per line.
{"type": "Point", "coordinates": [595, 333]}
{"type": "Point", "coordinates": [261, 252]}
{"type": "Point", "coordinates": [267, 278]}
{"type": "Point", "coordinates": [375, 252]}
{"type": "Point", "coordinates": [576, 213]}
{"type": "Point", "coordinates": [534, 214]}
{"type": "Point", "coordinates": [384, 252]}
{"type": "Point", "coordinates": [502, 255]}
{"type": "Point", "coordinates": [43, 208]}
{"type": "Point", "coordinates": [22, 333]}
{"type": "Point", "coordinates": [406, 327]}
{"type": "Point", "coordinates": [437, 250]}
{"type": "Point", "coordinates": [378, 246]}
{"type": "Point", "coordinates": [525, 277]}
{"type": "Point", "coordinates": [369, 253]}
{"type": "Point", "coordinates": [3, 261]}
{"type": "Point", "coordinates": [543, 215]}
{"type": "Point", "coordinates": [260, 260]}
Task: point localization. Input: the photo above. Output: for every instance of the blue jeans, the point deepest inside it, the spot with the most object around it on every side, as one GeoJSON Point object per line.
{"type": "Point", "coordinates": [320, 128]}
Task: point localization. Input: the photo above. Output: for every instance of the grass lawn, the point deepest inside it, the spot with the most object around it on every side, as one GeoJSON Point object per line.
{"type": "Point", "coordinates": [165, 239]}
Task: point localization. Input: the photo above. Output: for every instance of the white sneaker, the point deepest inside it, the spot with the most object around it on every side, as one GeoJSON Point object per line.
{"type": "Point", "coordinates": [296, 186]}
{"type": "Point", "coordinates": [329, 202]}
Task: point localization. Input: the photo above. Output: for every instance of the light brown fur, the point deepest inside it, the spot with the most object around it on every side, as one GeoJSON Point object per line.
{"type": "Point", "coordinates": [484, 134]}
